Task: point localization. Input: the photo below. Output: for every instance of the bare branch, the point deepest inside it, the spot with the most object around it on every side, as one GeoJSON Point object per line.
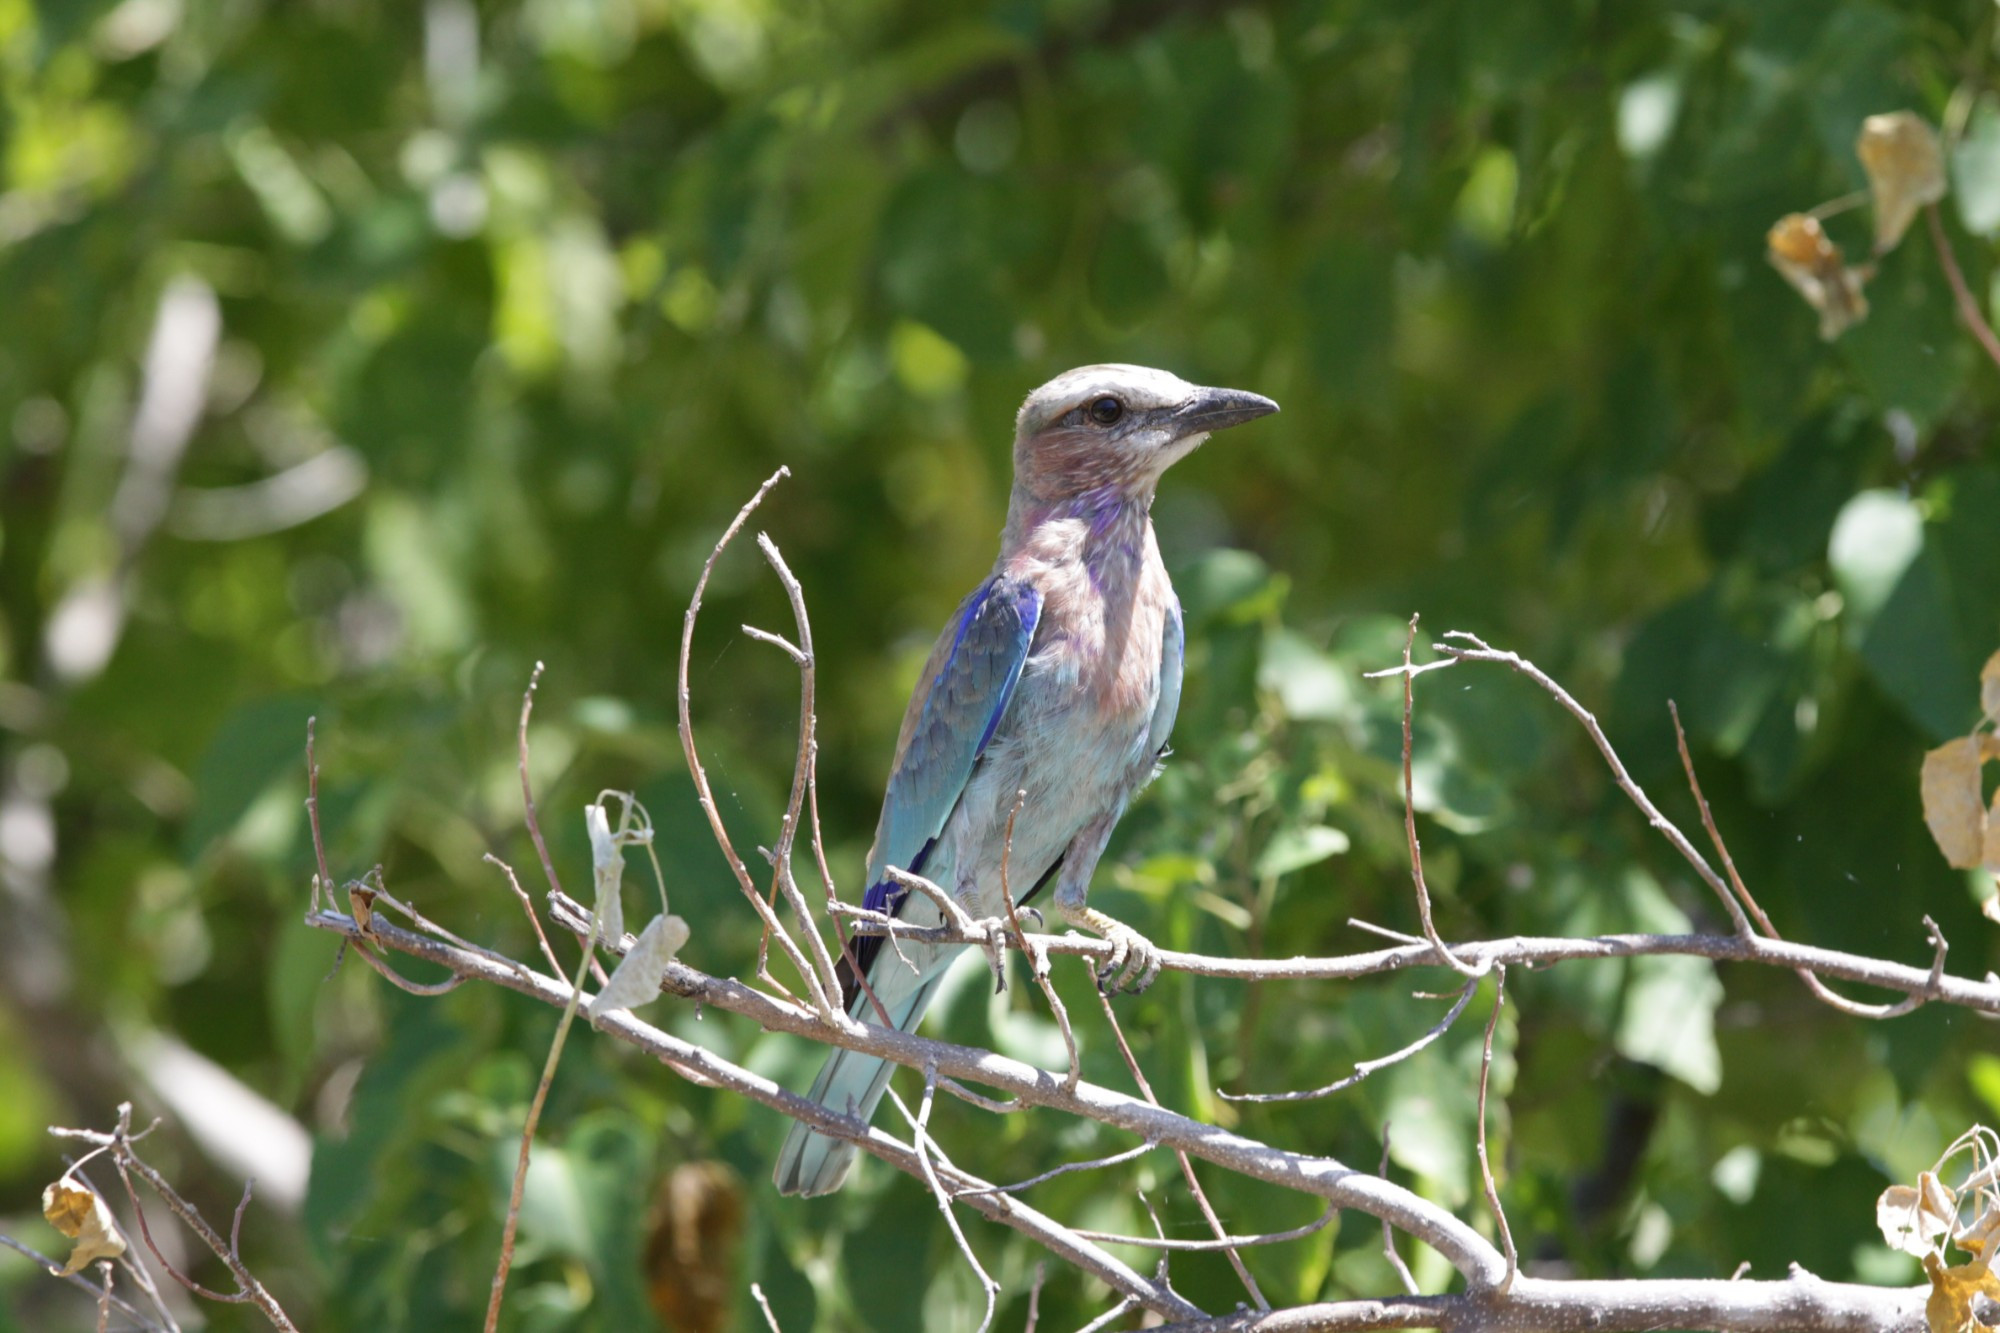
{"type": "Point", "coordinates": [1801, 1303]}
{"type": "Point", "coordinates": [694, 1062]}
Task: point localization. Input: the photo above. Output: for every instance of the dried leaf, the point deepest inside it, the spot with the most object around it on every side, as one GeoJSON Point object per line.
{"type": "Point", "coordinates": [637, 977]}
{"type": "Point", "coordinates": [1905, 166]}
{"type": "Point", "coordinates": [607, 863]}
{"type": "Point", "coordinates": [1914, 1220]}
{"type": "Point", "coordinates": [1953, 807]}
{"type": "Point", "coordinates": [1991, 907]}
{"type": "Point", "coordinates": [80, 1213]}
{"type": "Point", "coordinates": [1989, 687]}
{"type": "Point", "coordinates": [1801, 251]}
{"type": "Point", "coordinates": [1949, 1308]}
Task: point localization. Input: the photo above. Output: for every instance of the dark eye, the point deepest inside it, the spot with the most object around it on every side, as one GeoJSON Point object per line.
{"type": "Point", "coordinates": [1106, 410]}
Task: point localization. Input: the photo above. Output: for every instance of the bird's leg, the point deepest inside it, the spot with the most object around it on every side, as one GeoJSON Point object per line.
{"type": "Point", "coordinates": [1134, 961]}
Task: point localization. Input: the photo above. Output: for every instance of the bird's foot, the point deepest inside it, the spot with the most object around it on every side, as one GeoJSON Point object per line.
{"type": "Point", "coordinates": [1135, 960]}
{"type": "Point", "coordinates": [994, 932]}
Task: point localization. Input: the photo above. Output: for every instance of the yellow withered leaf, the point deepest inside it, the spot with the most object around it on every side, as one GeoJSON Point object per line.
{"type": "Point", "coordinates": [1949, 1309]}
{"type": "Point", "coordinates": [1801, 251]}
{"type": "Point", "coordinates": [1905, 166]}
{"type": "Point", "coordinates": [1953, 807]}
{"type": "Point", "coordinates": [80, 1213]}
{"type": "Point", "coordinates": [1989, 687]}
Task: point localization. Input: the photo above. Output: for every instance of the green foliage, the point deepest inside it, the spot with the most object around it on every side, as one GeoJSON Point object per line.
{"type": "Point", "coordinates": [566, 281]}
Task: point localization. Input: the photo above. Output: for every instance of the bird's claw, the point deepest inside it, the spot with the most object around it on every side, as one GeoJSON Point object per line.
{"type": "Point", "coordinates": [1134, 963]}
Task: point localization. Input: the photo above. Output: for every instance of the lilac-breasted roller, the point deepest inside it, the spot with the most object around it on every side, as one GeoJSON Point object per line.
{"type": "Point", "coordinates": [1058, 677]}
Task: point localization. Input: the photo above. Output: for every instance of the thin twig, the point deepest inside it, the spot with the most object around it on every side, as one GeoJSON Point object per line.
{"type": "Point", "coordinates": [324, 883]}
{"type": "Point", "coordinates": [1485, 1162]}
{"type": "Point", "coordinates": [788, 832]}
{"type": "Point", "coordinates": [249, 1291]}
{"type": "Point", "coordinates": [770, 1320]}
{"type": "Point", "coordinates": [528, 906]}
{"type": "Point", "coordinates": [1187, 1167]}
{"type": "Point", "coordinates": [1734, 890]}
{"type": "Point", "coordinates": [816, 992]}
{"type": "Point", "coordinates": [78, 1280]}
{"type": "Point", "coordinates": [1221, 1243]}
{"type": "Point", "coordinates": [1820, 990]}
{"type": "Point", "coordinates": [1403, 1273]}
{"type": "Point", "coordinates": [1035, 1297]}
{"type": "Point", "coordinates": [1109, 1317]}
{"type": "Point", "coordinates": [1367, 1067]}
{"type": "Point", "coordinates": [1038, 959]}
{"type": "Point", "coordinates": [1961, 294]}
{"type": "Point", "coordinates": [512, 1224]}
{"type": "Point", "coordinates": [1422, 889]}
{"type": "Point", "coordinates": [429, 990]}
{"type": "Point", "coordinates": [920, 1137]}
{"type": "Point", "coordinates": [1481, 651]}
{"type": "Point", "coordinates": [1130, 1154]}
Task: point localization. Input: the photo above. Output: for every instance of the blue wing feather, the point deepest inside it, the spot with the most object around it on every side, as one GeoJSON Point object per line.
{"type": "Point", "coordinates": [1173, 651]}
{"type": "Point", "coordinates": [959, 708]}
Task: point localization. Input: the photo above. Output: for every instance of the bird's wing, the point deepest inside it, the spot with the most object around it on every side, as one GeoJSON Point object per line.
{"type": "Point", "coordinates": [958, 703]}
{"type": "Point", "coordinates": [1173, 648]}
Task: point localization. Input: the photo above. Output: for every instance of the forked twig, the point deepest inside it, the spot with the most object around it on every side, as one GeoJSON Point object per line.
{"type": "Point", "coordinates": [815, 989]}
{"type": "Point", "coordinates": [249, 1291]}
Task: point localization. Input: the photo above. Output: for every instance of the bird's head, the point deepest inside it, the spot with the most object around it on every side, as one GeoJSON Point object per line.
{"type": "Point", "coordinates": [1117, 427]}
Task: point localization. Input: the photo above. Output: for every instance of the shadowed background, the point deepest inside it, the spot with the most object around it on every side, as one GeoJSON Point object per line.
{"type": "Point", "coordinates": [472, 325]}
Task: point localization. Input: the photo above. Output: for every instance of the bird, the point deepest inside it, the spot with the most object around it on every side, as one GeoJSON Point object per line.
{"type": "Point", "coordinates": [1046, 704]}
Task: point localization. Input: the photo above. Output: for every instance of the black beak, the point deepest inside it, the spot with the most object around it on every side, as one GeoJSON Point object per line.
{"type": "Point", "coordinates": [1217, 409]}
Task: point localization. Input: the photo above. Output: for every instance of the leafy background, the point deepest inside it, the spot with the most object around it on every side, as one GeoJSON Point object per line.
{"type": "Point", "coordinates": [561, 282]}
